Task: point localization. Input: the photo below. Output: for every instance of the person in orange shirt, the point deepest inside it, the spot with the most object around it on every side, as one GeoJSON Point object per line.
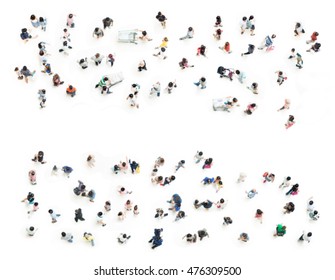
{"type": "Point", "coordinates": [71, 90]}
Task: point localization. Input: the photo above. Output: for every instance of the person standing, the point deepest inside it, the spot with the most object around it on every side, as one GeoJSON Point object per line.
{"type": "Point", "coordinates": [280, 230]}
{"type": "Point", "coordinates": [100, 219]}
{"type": "Point", "coordinates": [67, 237]}
{"type": "Point", "coordinates": [27, 73]}
{"type": "Point", "coordinates": [259, 215]}
{"type": "Point", "coordinates": [251, 49]}
{"type": "Point", "coordinates": [107, 22]}
{"type": "Point", "coordinates": [290, 122]}
{"type": "Point", "coordinates": [305, 237]}
{"type": "Point", "coordinates": [162, 19]}
{"type": "Point", "coordinates": [202, 83]}
{"type": "Point", "coordinates": [31, 230]}
{"type": "Point", "coordinates": [71, 90]}
{"type": "Point", "coordinates": [189, 34]}
{"type": "Point", "coordinates": [98, 33]}
{"type": "Point", "coordinates": [53, 216]}
{"type": "Point", "coordinates": [78, 215]}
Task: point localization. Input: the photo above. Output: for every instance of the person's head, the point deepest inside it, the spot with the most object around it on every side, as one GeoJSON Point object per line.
{"type": "Point", "coordinates": [64, 30]}
{"type": "Point", "coordinates": [97, 55]}
{"type": "Point", "coordinates": [36, 204]}
{"type": "Point", "coordinates": [131, 96]}
{"type": "Point", "coordinates": [259, 212]}
{"type": "Point", "coordinates": [63, 234]}
{"type": "Point", "coordinates": [24, 30]}
{"type": "Point", "coordinates": [50, 211]}
{"type": "Point", "coordinates": [309, 234]}
{"type": "Point", "coordinates": [291, 118]}
{"type": "Point", "coordinates": [311, 202]}
{"type": "Point", "coordinates": [244, 18]}
{"type": "Point", "coordinates": [41, 19]}
{"type": "Point", "coordinates": [65, 43]}
{"type": "Point", "coordinates": [165, 39]}
{"type": "Point", "coordinates": [237, 72]}
{"type": "Point", "coordinates": [273, 36]}
{"type": "Point", "coordinates": [252, 105]}
{"type": "Point", "coordinates": [235, 100]}
{"type": "Point", "coordinates": [254, 85]}
{"type": "Point", "coordinates": [159, 13]}
{"type": "Point", "coordinates": [128, 202]}
{"type": "Point", "coordinates": [70, 87]}
{"type": "Point", "coordinates": [104, 88]}
{"type": "Point", "coordinates": [24, 68]}
{"type": "Point", "coordinates": [163, 49]}
{"type": "Point", "coordinates": [32, 17]}
{"type": "Point", "coordinates": [160, 178]}
{"type": "Point", "coordinates": [203, 79]}
{"type": "Point", "coordinates": [135, 207]}
{"type": "Point", "coordinates": [293, 50]}
{"type": "Point", "coordinates": [124, 235]}
{"type": "Point", "coordinates": [190, 29]}
{"type": "Point", "coordinates": [81, 61]}
{"type": "Point", "coordinates": [172, 178]}
{"type": "Point", "coordinates": [218, 18]}
{"type": "Point", "coordinates": [31, 228]}
{"type": "Point", "coordinates": [99, 214]}
{"type": "Point", "coordinates": [120, 214]}
{"type": "Point", "coordinates": [315, 212]}
{"type": "Point", "coordinates": [221, 200]}
{"type": "Point", "coordinates": [316, 33]}
{"type": "Point", "coordinates": [123, 164]}
{"type": "Point", "coordinates": [32, 172]}
{"type": "Point", "coordinates": [70, 15]}
{"type": "Point", "coordinates": [251, 17]}
{"type": "Point", "coordinates": [284, 227]}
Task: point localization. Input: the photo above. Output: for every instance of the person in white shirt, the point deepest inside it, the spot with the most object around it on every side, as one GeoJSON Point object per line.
{"type": "Point", "coordinates": [31, 230]}
{"type": "Point", "coordinates": [67, 237]}
{"type": "Point", "coordinates": [305, 237]}
{"type": "Point", "coordinates": [286, 182]}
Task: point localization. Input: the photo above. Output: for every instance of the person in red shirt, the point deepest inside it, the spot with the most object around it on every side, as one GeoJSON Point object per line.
{"type": "Point", "coordinates": [71, 90]}
{"type": "Point", "coordinates": [314, 37]}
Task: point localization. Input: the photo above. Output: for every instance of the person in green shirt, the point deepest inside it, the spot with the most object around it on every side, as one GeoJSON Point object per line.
{"type": "Point", "coordinates": [280, 230]}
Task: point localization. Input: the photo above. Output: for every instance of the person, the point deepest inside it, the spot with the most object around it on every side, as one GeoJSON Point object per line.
{"type": "Point", "coordinates": [280, 230]}
{"type": "Point", "coordinates": [298, 29]}
{"type": "Point", "coordinates": [71, 90]}
{"type": "Point", "coordinates": [290, 122]}
{"type": "Point", "coordinates": [25, 35]}
{"type": "Point", "coordinates": [250, 108]}
{"type": "Point", "coordinates": [170, 86]}
{"type": "Point", "coordinates": [184, 64]}
{"type": "Point", "coordinates": [202, 233]}
{"type": "Point", "coordinates": [65, 47]}
{"type": "Point", "coordinates": [241, 177]}
{"type": "Point", "coordinates": [42, 103]}
{"type": "Point", "coordinates": [53, 216]}
{"type": "Point", "coordinates": [202, 50]}
{"type": "Point", "coordinates": [175, 202]}
{"type": "Point", "coordinates": [80, 190]}
{"type": "Point", "coordinates": [67, 170]}
{"type": "Point", "coordinates": [217, 34]}
{"type": "Point", "coordinates": [56, 80]}
{"type": "Point", "coordinates": [26, 73]}
{"type": "Point", "coordinates": [198, 157]}
{"type": "Point", "coordinates": [293, 190]}
{"type": "Point", "coordinates": [156, 240]}
{"type": "Point", "coordinates": [18, 73]}
{"type": "Point", "coordinates": [286, 106]}
{"type": "Point", "coordinates": [135, 210]}
{"type": "Point", "coordinates": [310, 205]}
{"type": "Point", "coordinates": [268, 177]}
{"type": "Point", "coordinates": [41, 94]}
{"type": "Point", "coordinates": [134, 166]}
{"type": "Point", "coordinates": [168, 180]}
{"type": "Point", "coordinates": [89, 238]}
{"type": "Point", "coordinates": [253, 88]}
{"type": "Point", "coordinates": [54, 170]}
{"type": "Point", "coordinates": [78, 215]}
{"type": "Point", "coordinates": [160, 213]}
{"type": "Point", "coordinates": [314, 38]}
{"type": "Point", "coordinates": [144, 36]}
{"type": "Point", "coordinates": [189, 34]}
{"type": "Point", "coordinates": [32, 177]}
{"type": "Point", "coordinates": [43, 23]}
{"type": "Point", "coordinates": [128, 206]}
{"type": "Point", "coordinates": [289, 208]}
{"type": "Point", "coordinates": [218, 22]}
{"type": "Point", "coordinates": [34, 21]}
{"type": "Point", "coordinates": [314, 215]}
{"type": "Point", "coordinates": [180, 215]}
{"type": "Point", "coordinates": [259, 215]}
{"type": "Point", "coordinates": [161, 53]}
{"type": "Point", "coordinates": [31, 230]}
{"type": "Point", "coordinates": [156, 89]}
{"type": "Point", "coordinates": [251, 49]}
{"type": "Point", "coordinates": [206, 204]}
{"type": "Point", "coordinates": [268, 43]}
{"type": "Point", "coordinates": [305, 237]}
{"type": "Point", "coordinates": [227, 221]}
{"type": "Point", "coordinates": [30, 198]}
{"type": "Point", "coordinates": [97, 58]}
{"type": "Point", "coordinates": [91, 195]}
{"type": "Point", "coordinates": [207, 180]}
{"type": "Point", "coordinates": [110, 59]}
{"type": "Point", "coordinates": [47, 68]}
{"type": "Point", "coordinates": [122, 191]}
{"type": "Point", "coordinates": [251, 193]}
{"type": "Point", "coordinates": [202, 83]}
{"type": "Point", "coordinates": [107, 206]}
{"type": "Point", "coordinates": [191, 238]}
{"type": "Point", "coordinates": [66, 35]}
{"type": "Point", "coordinates": [107, 22]}
{"type": "Point", "coordinates": [100, 219]}
{"type": "Point", "coordinates": [240, 76]}
{"type": "Point", "coordinates": [142, 66]}
{"type": "Point", "coordinates": [162, 19]}
{"type": "Point", "coordinates": [90, 160]}
{"type": "Point", "coordinates": [286, 182]}
{"type": "Point", "coordinates": [83, 63]}
{"type": "Point", "coordinates": [226, 47]}
{"type": "Point", "coordinates": [67, 237]}
{"type": "Point", "coordinates": [34, 207]}
{"type": "Point", "coordinates": [315, 47]}
{"type": "Point", "coordinates": [39, 157]}
{"type": "Point", "coordinates": [123, 238]}
{"type": "Point", "coordinates": [69, 21]}
{"type": "Point", "coordinates": [225, 72]}
{"type": "Point", "coordinates": [250, 24]}
{"type": "Point", "coordinates": [221, 203]}
{"type": "Point", "coordinates": [208, 163]}
{"type": "Point", "coordinates": [98, 33]}
{"type": "Point", "coordinates": [300, 62]}
{"type": "Point", "coordinates": [281, 77]}
{"type": "Point", "coordinates": [244, 237]}
{"type": "Point", "coordinates": [159, 162]}
{"type": "Point", "coordinates": [104, 82]}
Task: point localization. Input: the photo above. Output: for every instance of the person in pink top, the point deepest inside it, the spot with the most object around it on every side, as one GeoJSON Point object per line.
{"type": "Point", "coordinates": [32, 177]}
{"type": "Point", "coordinates": [69, 21]}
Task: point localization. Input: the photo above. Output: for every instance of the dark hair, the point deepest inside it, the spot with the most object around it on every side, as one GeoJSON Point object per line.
{"type": "Point", "coordinates": [31, 228]}
{"type": "Point", "coordinates": [107, 203]}
{"type": "Point", "coordinates": [41, 19]}
{"type": "Point", "coordinates": [244, 18]}
{"type": "Point", "coordinates": [221, 200]}
{"type": "Point", "coordinates": [309, 234]}
{"type": "Point", "coordinates": [293, 50]}
{"type": "Point", "coordinates": [23, 30]}
{"type": "Point", "coordinates": [70, 15]}
{"type": "Point", "coordinates": [96, 29]}
{"type": "Point", "coordinates": [50, 211]}
{"type": "Point", "coordinates": [251, 17]}
{"type": "Point", "coordinates": [172, 177]}
{"type": "Point", "coordinates": [237, 72]}
{"type": "Point", "coordinates": [203, 79]}
{"type": "Point", "coordinates": [190, 29]}
{"type": "Point", "coordinates": [120, 213]}
{"type": "Point", "coordinates": [32, 17]}
{"type": "Point", "coordinates": [131, 96]}
{"type": "Point", "coordinates": [63, 234]}
{"type": "Point", "coordinates": [259, 211]}
{"type": "Point", "coordinates": [70, 87]}
{"type": "Point", "coordinates": [235, 99]}
{"type": "Point", "coordinates": [200, 153]}
{"type": "Point", "coordinates": [99, 214]}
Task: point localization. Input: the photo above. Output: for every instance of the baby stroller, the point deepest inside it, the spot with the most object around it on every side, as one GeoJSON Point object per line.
{"type": "Point", "coordinates": [128, 36]}
{"type": "Point", "coordinates": [220, 104]}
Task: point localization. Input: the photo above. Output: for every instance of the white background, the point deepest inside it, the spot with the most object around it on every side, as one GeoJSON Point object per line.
{"type": "Point", "coordinates": [173, 126]}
